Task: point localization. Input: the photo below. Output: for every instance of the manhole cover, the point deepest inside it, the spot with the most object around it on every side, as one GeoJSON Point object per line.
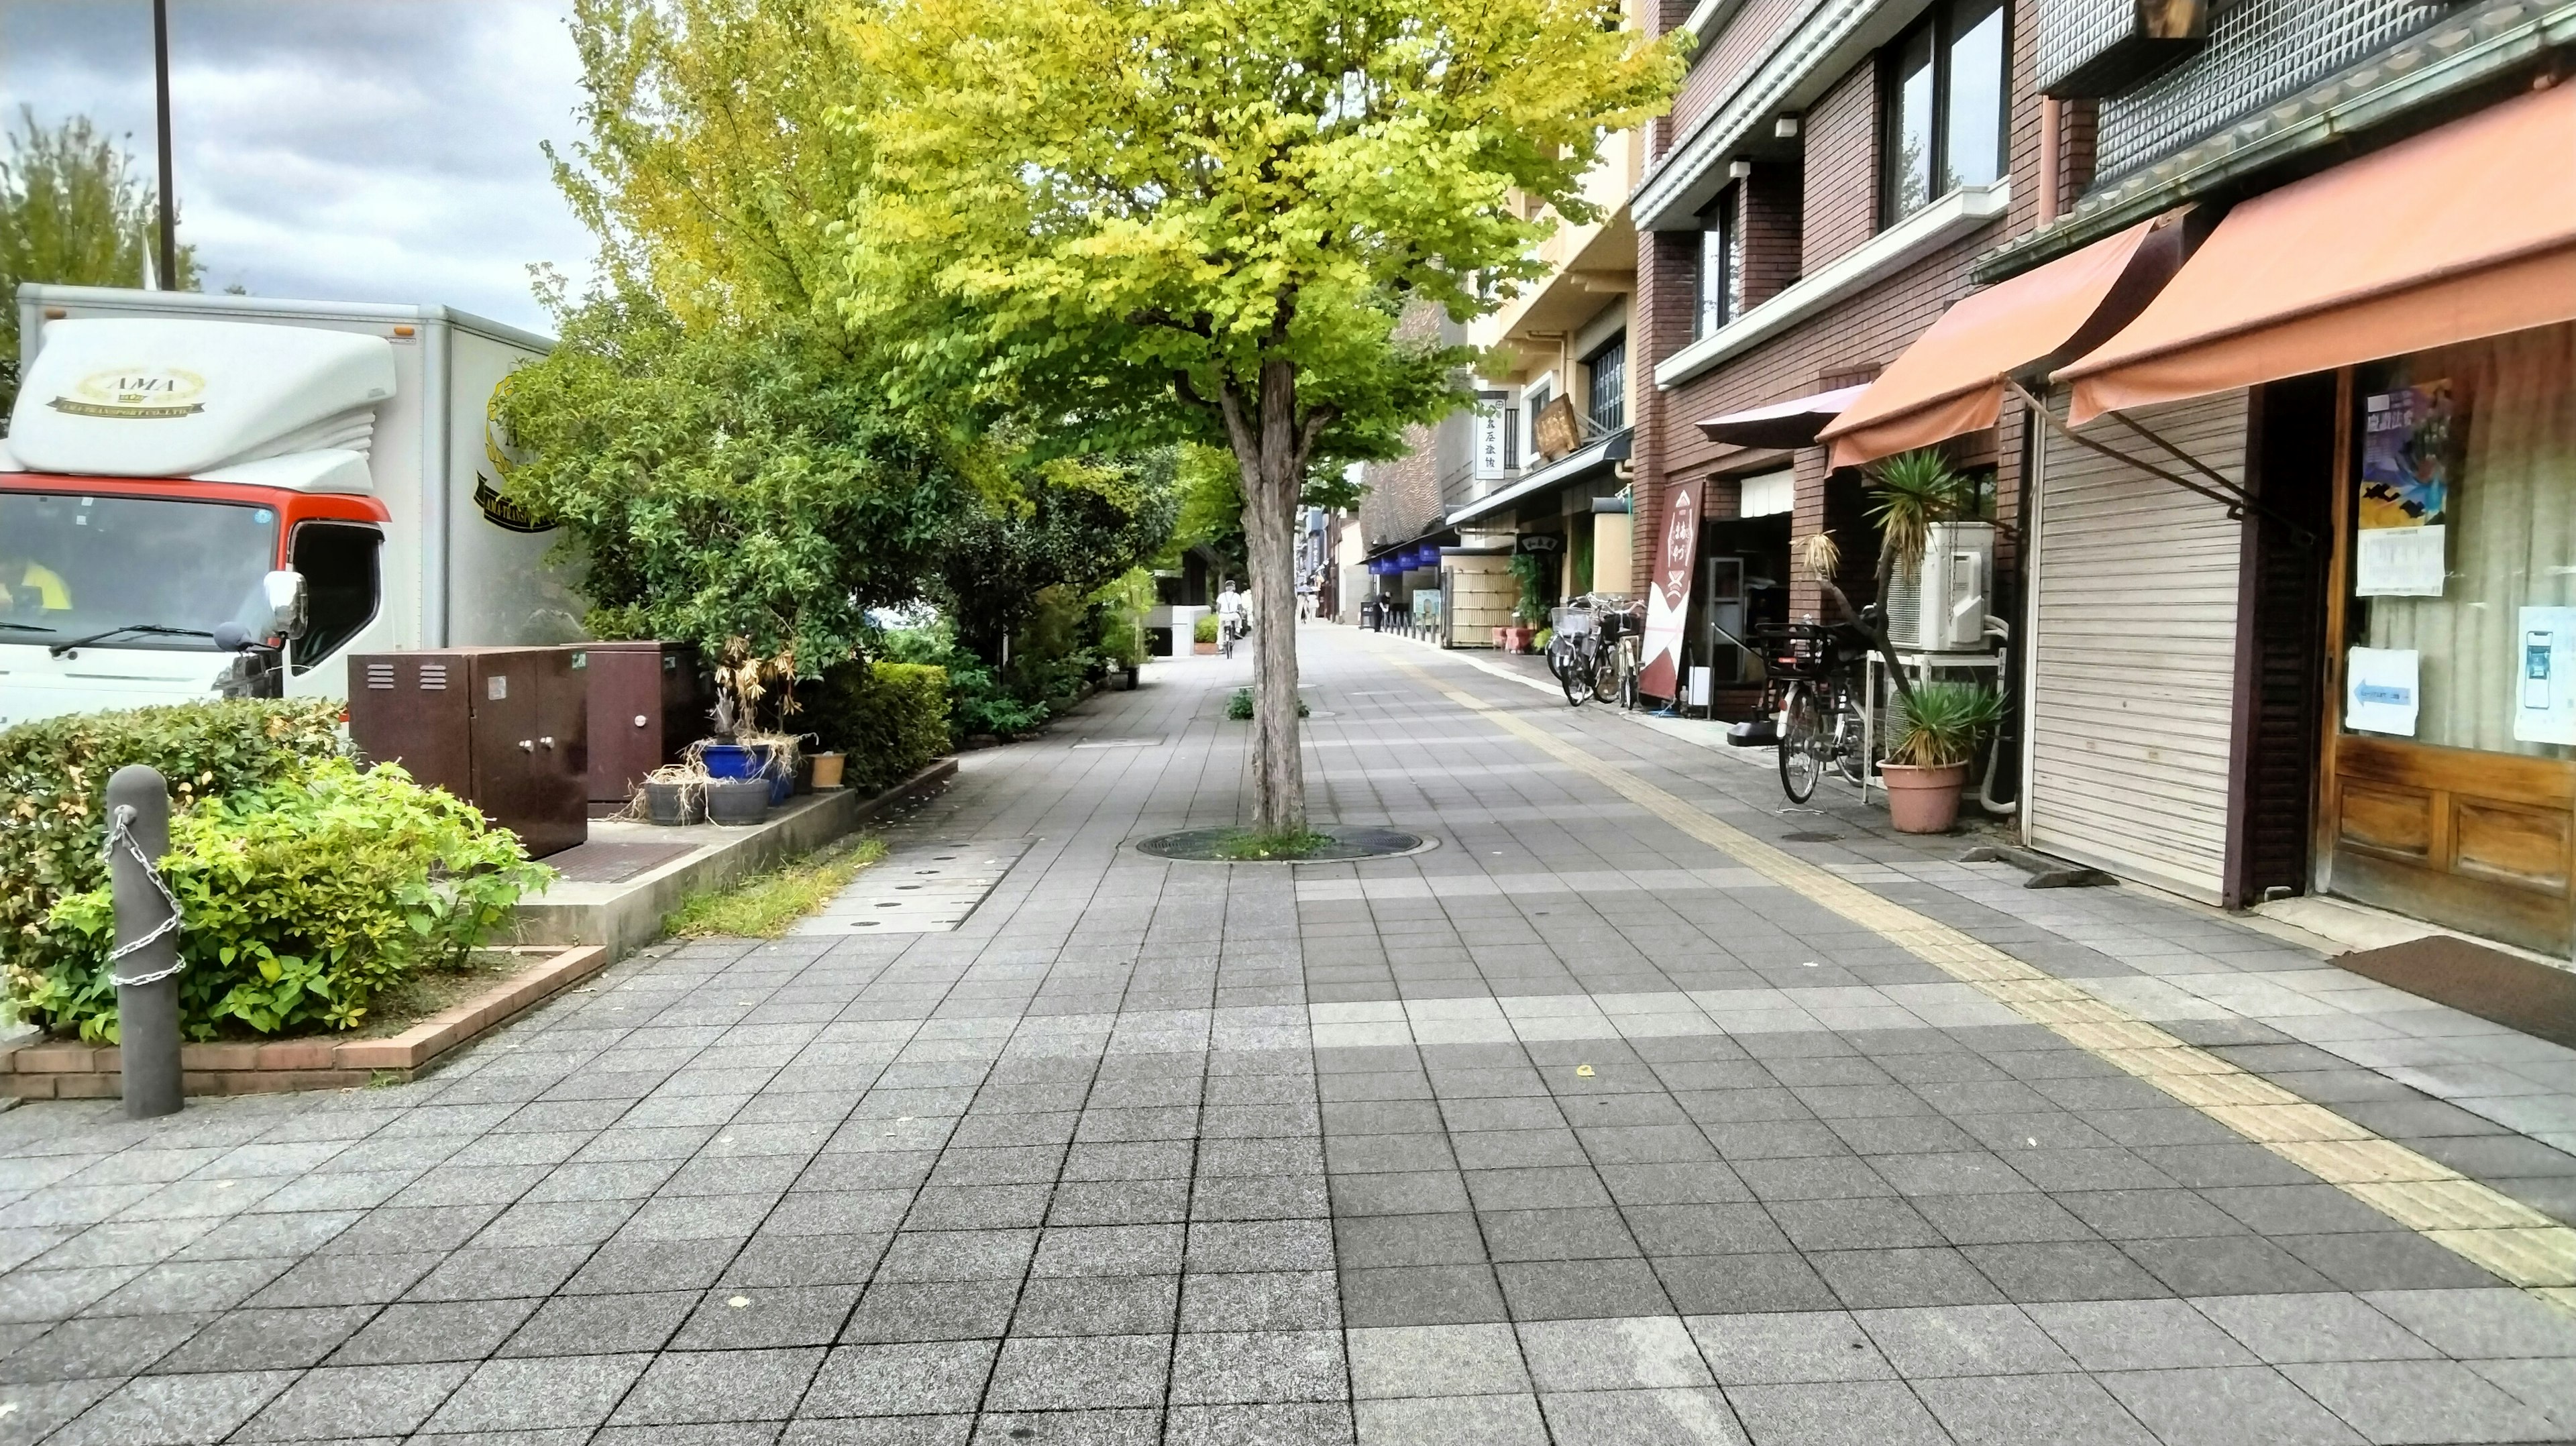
{"type": "Point", "coordinates": [1811, 837]}
{"type": "Point", "coordinates": [1349, 842]}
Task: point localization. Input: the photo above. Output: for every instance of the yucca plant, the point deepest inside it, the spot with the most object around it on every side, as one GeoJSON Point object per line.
{"type": "Point", "coordinates": [1914, 490]}
{"type": "Point", "coordinates": [1941, 723]}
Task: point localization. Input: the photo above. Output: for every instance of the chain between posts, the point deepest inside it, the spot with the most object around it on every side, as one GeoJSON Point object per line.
{"type": "Point", "coordinates": [120, 833]}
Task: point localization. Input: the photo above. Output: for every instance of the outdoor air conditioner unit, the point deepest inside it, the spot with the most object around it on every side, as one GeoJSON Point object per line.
{"type": "Point", "coordinates": [1940, 604]}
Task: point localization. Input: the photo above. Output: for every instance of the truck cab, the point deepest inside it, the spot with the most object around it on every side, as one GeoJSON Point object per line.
{"type": "Point", "coordinates": [202, 495]}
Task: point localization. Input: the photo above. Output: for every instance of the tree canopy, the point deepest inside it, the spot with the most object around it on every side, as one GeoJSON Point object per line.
{"type": "Point", "coordinates": [1202, 220]}
{"type": "Point", "coordinates": [73, 213]}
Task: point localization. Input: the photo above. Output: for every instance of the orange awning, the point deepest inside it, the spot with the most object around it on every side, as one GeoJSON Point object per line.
{"type": "Point", "coordinates": [1793, 423]}
{"type": "Point", "coordinates": [2467, 230]}
{"type": "Point", "coordinates": [1951, 380]}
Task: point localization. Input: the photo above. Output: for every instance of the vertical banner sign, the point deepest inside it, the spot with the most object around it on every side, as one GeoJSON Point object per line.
{"type": "Point", "coordinates": [1668, 595]}
{"type": "Point", "coordinates": [2406, 446]}
{"type": "Point", "coordinates": [2544, 676]}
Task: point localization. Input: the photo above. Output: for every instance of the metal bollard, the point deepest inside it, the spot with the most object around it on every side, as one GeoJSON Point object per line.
{"type": "Point", "coordinates": [147, 1011]}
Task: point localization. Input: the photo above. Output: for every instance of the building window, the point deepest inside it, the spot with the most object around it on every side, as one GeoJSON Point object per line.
{"type": "Point", "coordinates": [1533, 406]}
{"type": "Point", "coordinates": [1605, 383]}
{"type": "Point", "coordinates": [1946, 92]}
{"type": "Point", "coordinates": [1721, 266]}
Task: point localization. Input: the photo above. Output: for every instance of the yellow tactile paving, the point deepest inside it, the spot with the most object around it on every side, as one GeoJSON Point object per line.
{"type": "Point", "coordinates": [2495, 1231]}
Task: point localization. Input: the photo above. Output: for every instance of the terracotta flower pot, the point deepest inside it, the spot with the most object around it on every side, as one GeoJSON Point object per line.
{"type": "Point", "coordinates": [1207, 650]}
{"type": "Point", "coordinates": [1923, 800]}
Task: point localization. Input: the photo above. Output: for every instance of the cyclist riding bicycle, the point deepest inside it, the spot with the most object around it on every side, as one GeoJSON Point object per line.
{"type": "Point", "coordinates": [1234, 617]}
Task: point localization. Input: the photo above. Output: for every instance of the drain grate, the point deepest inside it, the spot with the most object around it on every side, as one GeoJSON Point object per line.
{"type": "Point", "coordinates": [1154, 742]}
{"type": "Point", "coordinates": [1811, 837]}
{"type": "Point", "coordinates": [918, 888]}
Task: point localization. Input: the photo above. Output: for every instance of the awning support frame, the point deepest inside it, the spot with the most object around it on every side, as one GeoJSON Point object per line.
{"type": "Point", "coordinates": [2218, 488]}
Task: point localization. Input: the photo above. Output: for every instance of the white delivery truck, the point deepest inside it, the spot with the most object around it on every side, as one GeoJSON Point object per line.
{"type": "Point", "coordinates": [201, 493]}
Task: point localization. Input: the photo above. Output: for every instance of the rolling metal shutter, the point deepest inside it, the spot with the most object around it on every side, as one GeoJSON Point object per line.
{"type": "Point", "coordinates": [2133, 664]}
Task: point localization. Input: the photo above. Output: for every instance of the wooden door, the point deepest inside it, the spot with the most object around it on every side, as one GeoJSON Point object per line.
{"type": "Point", "coordinates": [2483, 842]}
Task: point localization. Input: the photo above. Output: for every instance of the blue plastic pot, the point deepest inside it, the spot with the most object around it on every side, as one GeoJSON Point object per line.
{"type": "Point", "coordinates": [735, 760]}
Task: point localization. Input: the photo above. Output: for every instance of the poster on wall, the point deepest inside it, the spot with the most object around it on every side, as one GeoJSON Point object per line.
{"type": "Point", "coordinates": [2407, 446]}
{"type": "Point", "coordinates": [2544, 676]}
{"type": "Point", "coordinates": [2380, 689]}
{"type": "Point", "coordinates": [1668, 596]}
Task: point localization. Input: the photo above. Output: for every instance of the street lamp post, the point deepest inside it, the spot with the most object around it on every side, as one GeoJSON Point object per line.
{"type": "Point", "coordinates": [169, 273]}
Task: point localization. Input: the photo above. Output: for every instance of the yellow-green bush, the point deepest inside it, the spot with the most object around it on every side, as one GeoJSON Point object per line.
{"type": "Point", "coordinates": [53, 782]}
{"type": "Point", "coordinates": [890, 718]}
{"type": "Point", "coordinates": [299, 900]}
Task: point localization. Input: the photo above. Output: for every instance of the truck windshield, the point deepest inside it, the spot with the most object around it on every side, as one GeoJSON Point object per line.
{"type": "Point", "coordinates": [73, 565]}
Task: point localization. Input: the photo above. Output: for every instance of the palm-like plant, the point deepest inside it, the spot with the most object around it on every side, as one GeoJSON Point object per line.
{"type": "Point", "coordinates": [1913, 491]}
{"type": "Point", "coordinates": [1940, 724]}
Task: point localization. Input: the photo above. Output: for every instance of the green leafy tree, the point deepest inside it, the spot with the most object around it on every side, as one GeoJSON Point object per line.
{"type": "Point", "coordinates": [72, 213]}
{"type": "Point", "coordinates": [1067, 523]}
{"type": "Point", "coordinates": [1200, 220]}
{"type": "Point", "coordinates": [743, 488]}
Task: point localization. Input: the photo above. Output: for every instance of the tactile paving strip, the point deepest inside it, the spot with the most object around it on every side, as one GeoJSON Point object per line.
{"type": "Point", "coordinates": [927, 887]}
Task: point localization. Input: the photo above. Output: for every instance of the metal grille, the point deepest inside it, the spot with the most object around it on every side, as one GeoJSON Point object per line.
{"type": "Point", "coordinates": [433, 676]}
{"type": "Point", "coordinates": [1605, 378]}
{"type": "Point", "coordinates": [380, 675]}
{"type": "Point", "coordinates": [2075, 31]}
{"type": "Point", "coordinates": [2258, 51]}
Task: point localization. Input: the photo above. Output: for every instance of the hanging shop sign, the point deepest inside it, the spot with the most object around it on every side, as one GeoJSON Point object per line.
{"type": "Point", "coordinates": [1541, 542]}
{"type": "Point", "coordinates": [2406, 460]}
{"type": "Point", "coordinates": [1556, 432]}
{"type": "Point", "coordinates": [1668, 596]}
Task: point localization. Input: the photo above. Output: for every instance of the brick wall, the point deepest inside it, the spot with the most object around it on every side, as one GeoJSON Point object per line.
{"type": "Point", "coordinates": [1841, 170]}
{"type": "Point", "coordinates": [1851, 341]}
{"type": "Point", "coordinates": [1659, 324]}
{"type": "Point", "coordinates": [1403, 497]}
{"type": "Point", "coordinates": [1770, 202]}
{"type": "Point", "coordinates": [1732, 53]}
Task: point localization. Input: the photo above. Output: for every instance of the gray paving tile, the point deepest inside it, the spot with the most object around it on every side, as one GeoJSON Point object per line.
{"type": "Point", "coordinates": [2419, 1401]}
{"type": "Point", "coordinates": [1883, 1413]}
{"type": "Point", "coordinates": [1436, 1360]}
{"type": "Point", "coordinates": [1671, 1416]}
{"type": "Point", "coordinates": [2137, 1335]}
{"type": "Point", "coordinates": [1253, 1366]}
{"type": "Point", "coordinates": [683, 1386]}
{"type": "Point", "coordinates": [2226, 1406]}
{"type": "Point", "coordinates": [2030, 1410]}
{"type": "Point", "coordinates": [1512, 1420]}
{"type": "Point", "coordinates": [1073, 1372]}
{"type": "Point", "coordinates": [2480, 1323]}
{"type": "Point", "coordinates": [1967, 1340]}
{"type": "Point", "coordinates": [344, 1401]}
{"type": "Point", "coordinates": [923, 1379]}
{"type": "Point", "coordinates": [530, 1394]}
{"type": "Point", "coordinates": [172, 1409]}
{"type": "Point", "coordinates": [1612, 1354]}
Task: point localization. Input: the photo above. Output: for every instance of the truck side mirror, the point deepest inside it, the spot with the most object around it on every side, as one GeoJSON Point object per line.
{"type": "Point", "coordinates": [284, 593]}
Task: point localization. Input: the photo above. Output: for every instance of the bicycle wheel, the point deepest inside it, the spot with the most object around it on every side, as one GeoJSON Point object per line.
{"type": "Point", "coordinates": [1605, 676]}
{"type": "Point", "coordinates": [1576, 678]}
{"type": "Point", "coordinates": [1801, 739]}
{"type": "Point", "coordinates": [1847, 736]}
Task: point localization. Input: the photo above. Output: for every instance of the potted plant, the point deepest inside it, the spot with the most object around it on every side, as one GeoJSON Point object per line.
{"type": "Point", "coordinates": [1203, 634]}
{"type": "Point", "coordinates": [1938, 726]}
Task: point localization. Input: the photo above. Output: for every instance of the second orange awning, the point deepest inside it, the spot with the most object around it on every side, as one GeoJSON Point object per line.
{"type": "Point", "coordinates": [1951, 380]}
{"type": "Point", "coordinates": [2467, 230]}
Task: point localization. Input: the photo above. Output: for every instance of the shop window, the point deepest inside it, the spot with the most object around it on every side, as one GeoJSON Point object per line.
{"type": "Point", "coordinates": [1946, 90]}
{"type": "Point", "coordinates": [2461, 557]}
{"type": "Point", "coordinates": [1605, 384]}
{"type": "Point", "coordinates": [1721, 266]}
{"type": "Point", "coordinates": [339, 567]}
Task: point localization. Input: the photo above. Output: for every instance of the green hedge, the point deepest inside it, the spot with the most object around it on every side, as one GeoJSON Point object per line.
{"type": "Point", "coordinates": [300, 899]}
{"type": "Point", "coordinates": [53, 778]}
{"type": "Point", "coordinates": [1204, 630]}
{"type": "Point", "coordinates": [889, 718]}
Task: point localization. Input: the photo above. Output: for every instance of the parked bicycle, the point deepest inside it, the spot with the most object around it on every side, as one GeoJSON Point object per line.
{"type": "Point", "coordinates": [1594, 651]}
{"type": "Point", "coordinates": [1816, 683]}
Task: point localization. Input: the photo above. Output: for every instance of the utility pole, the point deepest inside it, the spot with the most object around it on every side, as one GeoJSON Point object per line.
{"type": "Point", "coordinates": [169, 273]}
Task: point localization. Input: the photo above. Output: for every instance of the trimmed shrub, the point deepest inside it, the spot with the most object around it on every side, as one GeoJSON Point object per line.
{"type": "Point", "coordinates": [53, 782]}
{"type": "Point", "coordinates": [1204, 630]}
{"type": "Point", "coordinates": [299, 900]}
{"type": "Point", "coordinates": [890, 718]}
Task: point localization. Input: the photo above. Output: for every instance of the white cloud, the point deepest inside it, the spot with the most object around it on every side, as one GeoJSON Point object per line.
{"type": "Point", "coordinates": [361, 150]}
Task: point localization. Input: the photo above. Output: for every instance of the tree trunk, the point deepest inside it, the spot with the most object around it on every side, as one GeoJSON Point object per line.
{"type": "Point", "coordinates": [1269, 451]}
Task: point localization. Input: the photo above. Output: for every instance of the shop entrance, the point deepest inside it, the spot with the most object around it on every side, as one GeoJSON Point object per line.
{"type": "Point", "coordinates": [2448, 788]}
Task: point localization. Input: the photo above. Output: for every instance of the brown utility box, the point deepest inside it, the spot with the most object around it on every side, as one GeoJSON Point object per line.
{"type": "Point", "coordinates": [505, 729]}
{"type": "Point", "coordinates": [647, 703]}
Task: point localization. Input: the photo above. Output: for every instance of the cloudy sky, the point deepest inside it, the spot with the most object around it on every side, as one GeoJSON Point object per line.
{"type": "Point", "coordinates": [361, 150]}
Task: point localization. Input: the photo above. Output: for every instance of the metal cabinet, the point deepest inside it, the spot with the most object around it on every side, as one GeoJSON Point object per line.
{"type": "Point", "coordinates": [505, 729]}
{"type": "Point", "coordinates": [647, 702]}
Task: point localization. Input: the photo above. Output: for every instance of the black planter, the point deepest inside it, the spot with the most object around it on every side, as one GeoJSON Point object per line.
{"type": "Point", "coordinates": [738, 801]}
{"type": "Point", "coordinates": [673, 805]}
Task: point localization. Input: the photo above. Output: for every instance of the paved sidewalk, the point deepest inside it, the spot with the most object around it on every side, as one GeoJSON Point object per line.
{"type": "Point", "coordinates": [1576, 1129]}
